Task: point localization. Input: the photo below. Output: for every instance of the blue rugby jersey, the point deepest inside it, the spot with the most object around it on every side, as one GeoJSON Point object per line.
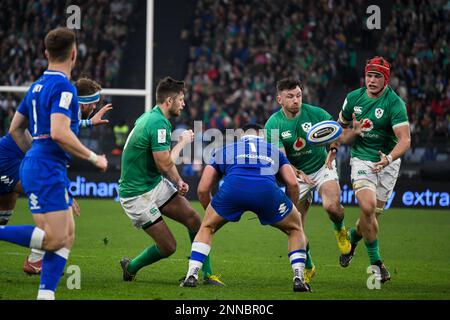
{"type": "Point", "coordinates": [9, 149]}
{"type": "Point", "coordinates": [251, 157]}
{"type": "Point", "coordinates": [51, 93]}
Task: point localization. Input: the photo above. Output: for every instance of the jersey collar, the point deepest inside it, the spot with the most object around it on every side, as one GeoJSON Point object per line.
{"type": "Point", "coordinates": [54, 73]}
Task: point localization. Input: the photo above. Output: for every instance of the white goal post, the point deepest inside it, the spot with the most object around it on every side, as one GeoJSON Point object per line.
{"type": "Point", "coordinates": [147, 92]}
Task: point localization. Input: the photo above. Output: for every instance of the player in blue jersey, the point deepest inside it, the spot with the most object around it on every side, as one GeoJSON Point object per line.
{"type": "Point", "coordinates": [51, 112]}
{"type": "Point", "coordinates": [88, 92]}
{"type": "Point", "coordinates": [249, 169]}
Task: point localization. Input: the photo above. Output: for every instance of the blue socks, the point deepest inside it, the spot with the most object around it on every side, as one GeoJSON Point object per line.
{"type": "Point", "coordinates": [25, 235]}
{"type": "Point", "coordinates": [52, 268]}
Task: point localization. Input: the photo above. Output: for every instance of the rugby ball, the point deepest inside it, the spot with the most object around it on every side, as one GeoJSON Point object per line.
{"type": "Point", "coordinates": [323, 133]}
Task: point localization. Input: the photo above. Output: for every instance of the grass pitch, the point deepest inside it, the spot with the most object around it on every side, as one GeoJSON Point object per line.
{"type": "Point", "coordinates": [252, 259]}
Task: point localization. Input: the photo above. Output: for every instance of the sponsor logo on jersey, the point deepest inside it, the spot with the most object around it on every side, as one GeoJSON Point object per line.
{"type": "Point", "coordinates": [306, 126]}
{"type": "Point", "coordinates": [379, 113]}
{"type": "Point", "coordinates": [286, 134]}
{"type": "Point", "coordinates": [357, 109]}
{"type": "Point", "coordinates": [366, 125]}
{"type": "Point", "coordinates": [299, 144]}
{"type": "Point", "coordinates": [37, 88]}
{"type": "Point", "coordinates": [362, 172]}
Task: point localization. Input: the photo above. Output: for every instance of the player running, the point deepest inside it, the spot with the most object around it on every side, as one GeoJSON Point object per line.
{"type": "Point", "coordinates": [380, 136]}
{"type": "Point", "coordinates": [88, 96]}
{"type": "Point", "coordinates": [249, 162]}
{"type": "Point", "coordinates": [287, 129]}
{"type": "Point", "coordinates": [145, 194]}
{"type": "Point", "coordinates": [51, 109]}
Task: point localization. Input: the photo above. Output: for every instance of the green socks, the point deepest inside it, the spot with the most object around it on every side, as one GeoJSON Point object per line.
{"type": "Point", "coordinates": [308, 263]}
{"type": "Point", "coordinates": [373, 251]}
{"type": "Point", "coordinates": [354, 236]}
{"type": "Point", "coordinates": [338, 226]}
{"type": "Point", "coordinates": [148, 256]}
{"type": "Point", "coordinates": [206, 268]}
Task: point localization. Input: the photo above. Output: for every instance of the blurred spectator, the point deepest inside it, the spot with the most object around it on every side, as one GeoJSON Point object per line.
{"type": "Point", "coordinates": [120, 136]}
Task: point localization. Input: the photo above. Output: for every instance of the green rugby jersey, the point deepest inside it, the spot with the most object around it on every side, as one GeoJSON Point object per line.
{"type": "Point", "coordinates": [380, 116]}
{"type": "Point", "coordinates": [292, 137]}
{"type": "Point", "coordinates": [139, 174]}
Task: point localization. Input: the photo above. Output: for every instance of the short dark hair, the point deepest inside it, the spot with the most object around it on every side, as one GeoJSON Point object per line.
{"type": "Point", "coordinates": [288, 84]}
{"type": "Point", "coordinates": [168, 87]}
{"type": "Point", "coordinates": [59, 43]}
{"type": "Point", "coordinates": [254, 126]}
{"type": "Point", "coordinates": [86, 87]}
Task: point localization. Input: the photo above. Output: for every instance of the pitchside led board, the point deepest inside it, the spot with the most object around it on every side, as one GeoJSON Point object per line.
{"type": "Point", "coordinates": [426, 195]}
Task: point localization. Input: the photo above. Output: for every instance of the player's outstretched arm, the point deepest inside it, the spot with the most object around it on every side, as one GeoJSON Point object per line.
{"type": "Point", "coordinates": [62, 134]}
{"type": "Point", "coordinates": [209, 178]}
{"type": "Point", "coordinates": [19, 132]}
{"type": "Point", "coordinates": [289, 178]}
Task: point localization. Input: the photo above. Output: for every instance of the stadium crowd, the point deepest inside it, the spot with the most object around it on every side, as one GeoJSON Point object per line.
{"type": "Point", "coordinates": [23, 25]}
{"type": "Point", "coordinates": [417, 42]}
{"type": "Point", "coordinates": [240, 48]}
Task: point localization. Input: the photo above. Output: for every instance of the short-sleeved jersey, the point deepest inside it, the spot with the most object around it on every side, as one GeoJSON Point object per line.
{"type": "Point", "coordinates": [51, 93]}
{"type": "Point", "coordinates": [251, 157]}
{"type": "Point", "coordinates": [291, 136]}
{"type": "Point", "coordinates": [139, 174]}
{"type": "Point", "coordinates": [379, 118]}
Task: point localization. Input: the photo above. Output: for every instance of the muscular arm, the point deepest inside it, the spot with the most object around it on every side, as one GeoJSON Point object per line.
{"type": "Point", "coordinates": [62, 134]}
{"type": "Point", "coordinates": [404, 141]}
{"type": "Point", "coordinates": [209, 178]}
{"type": "Point", "coordinates": [19, 132]}
{"type": "Point", "coordinates": [165, 165]}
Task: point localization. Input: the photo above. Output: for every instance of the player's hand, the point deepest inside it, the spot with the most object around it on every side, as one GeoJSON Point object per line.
{"type": "Point", "coordinates": [330, 158]}
{"type": "Point", "coordinates": [380, 165]}
{"type": "Point", "coordinates": [183, 187]}
{"type": "Point", "coordinates": [101, 163]}
{"type": "Point", "coordinates": [186, 137]}
{"type": "Point", "coordinates": [357, 125]}
{"type": "Point", "coordinates": [75, 208]}
{"type": "Point", "coordinates": [303, 177]}
{"type": "Point", "coordinates": [97, 118]}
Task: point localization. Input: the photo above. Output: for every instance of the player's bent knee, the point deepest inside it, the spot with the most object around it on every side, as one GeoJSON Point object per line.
{"type": "Point", "coordinates": [333, 208]}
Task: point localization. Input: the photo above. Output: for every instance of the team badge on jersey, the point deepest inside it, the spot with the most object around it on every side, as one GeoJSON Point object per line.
{"type": "Point", "coordinates": [299, 144]}
{"type": "Point", "coordinates": [161, 135]}
{"type": "Point", "coordinates": [379, 113]}
{"type": "Point", "coordinates": [366, 125]}
{"type": "Point", "coordinates": [357, 109]}
{"type": "Point", "coordinates": [306, 126]}
{"type": "Point", "coordinates": [66, 99]}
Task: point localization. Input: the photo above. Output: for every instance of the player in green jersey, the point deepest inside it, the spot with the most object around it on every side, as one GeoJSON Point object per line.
{"type": "Point", "coordinates": [145, 194]}
{"type": "Point", "coordinates": [287, 129]}
{"type": "Point", "coordinates": [380, 136]}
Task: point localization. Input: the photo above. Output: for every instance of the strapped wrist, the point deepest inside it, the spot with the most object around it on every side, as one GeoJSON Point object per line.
{"type": "Point", "coordinates": [92, 157]}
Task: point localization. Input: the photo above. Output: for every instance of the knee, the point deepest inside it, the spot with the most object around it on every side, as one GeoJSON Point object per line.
{"type": "Point", "coordinates": [333, 208]}
{"type": "Point", "coordinates": [368, 208]}
{"type": "Point", "coordinates": [168, 248]}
